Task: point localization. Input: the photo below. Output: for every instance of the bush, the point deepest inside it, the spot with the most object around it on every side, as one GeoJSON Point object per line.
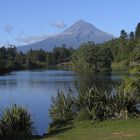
{"type": "Point", "coordinates": [131, 85]}
{"type": "Point", "coordinates": [93, 105]}
{"type": "Point", "coordinates": [124, 105]}
{"type": "Point", "coordinates": [120, 103]}
{"type": "Point", "coordinates": [135, 70]}
{"type": "Point", "coordinates": [16, 123]}
{"type": "Point", "coordinates": [63, 106]}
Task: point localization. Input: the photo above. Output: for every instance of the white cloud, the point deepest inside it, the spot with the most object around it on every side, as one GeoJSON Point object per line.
{"type": "Point", "coordinates": [9, 28]}
{"type": "Point", "coordinates": [58, 24]}
{"type": "Point", "coordinates": [31, 39]}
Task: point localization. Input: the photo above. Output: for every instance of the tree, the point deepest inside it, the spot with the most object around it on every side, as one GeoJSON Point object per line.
{"type": "Point", "coordinates": [89, 57]}
{"type": "Point", "coordinates": [85, 58]}
{"type": "Point", "coordinates": [108, 58]}
{"type": "Point", "coordinates": [137, 32]}
{"type": "Point", "coordinates": [62, 54]}
{"type": "Point", "coordinates": [49, 59]}
{"type": "Point", "coordinates": [132, 35]}
{"type": "Point", "coordinates": [123, 34]}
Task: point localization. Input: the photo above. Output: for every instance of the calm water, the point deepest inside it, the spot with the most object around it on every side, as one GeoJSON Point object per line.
{"type": "Point", "coordinates": [35, 88]}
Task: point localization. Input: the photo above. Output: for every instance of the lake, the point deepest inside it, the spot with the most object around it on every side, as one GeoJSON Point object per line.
{"type": "Point", "coordinates": [35, 88]}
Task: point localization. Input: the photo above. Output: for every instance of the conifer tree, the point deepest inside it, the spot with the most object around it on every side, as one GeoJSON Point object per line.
{"type": "Point", "coordinates": [137, 32]}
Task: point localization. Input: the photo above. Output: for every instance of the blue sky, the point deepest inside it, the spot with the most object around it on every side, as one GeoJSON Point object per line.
{"type": "Point", "coordinates": [26, 21]}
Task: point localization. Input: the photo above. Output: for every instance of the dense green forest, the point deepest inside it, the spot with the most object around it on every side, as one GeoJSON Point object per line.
{"type": "Point", "coordinates": [122, 53]}
{"type": "Point", "coordinates": [12, 59]}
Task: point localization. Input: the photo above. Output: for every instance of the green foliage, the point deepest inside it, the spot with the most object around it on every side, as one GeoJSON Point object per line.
{"type": "Point", "coordinates": [62, 54]}
{"type": "Point", "coordinates": [123, 34]}
{"type": "Point", "coordinates": [131, 85]}
{"type": "Point", "coordinates": [128, 97]}
{"type": "Point", "coordinates": [94, 103]}
{"type": "Point", "coordinates": [135, 55]}
{"type": "Point", "coordinates": [125, 51]}
{"type": "Point", "coordinates": [132, 35]}
{"type": "Point", "coordinates": [83, 57]}
{"type": "Point", "coordinates": [137, 32]}
{"type": "Point", "coordinates": [117, 104]}
{"type": "Point", "coordinates": [16, 123]}
{"type": "Point", "coordinates": [98, 105]}
{"type": "Point", "coordinates": [135, 70]}
{"type": "Point", "coordinates": [9, 58]}
{"type": "Point", "coordinates": [12, 59]}
{"type": "Point", "coordinates": [63, 106]}
{"type": "Point", "coordinates": [124, 105]}
{"type": "Point", "coordinates": [35, 59]}
{"type": "Point", "coordinates": [89, 57]}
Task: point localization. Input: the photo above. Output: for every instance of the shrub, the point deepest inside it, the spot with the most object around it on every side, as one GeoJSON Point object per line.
{"type": "Point", "coordinates": [127, 98]}
{"type": "Point", "coordinates": [16, 123]}
{"type": "Point", "coordinates": [63, 106]}
{"type": "Point", "coordinates": [94, 103]}
{"type": "Point", "coordinates": [117, 104]}
{"type": "Point", "coordinates": [135, 70]}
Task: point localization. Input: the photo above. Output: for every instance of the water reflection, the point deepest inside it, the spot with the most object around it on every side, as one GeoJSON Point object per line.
{"type": "Point", "coordinates": [5, 83]}
{"type": "Point", "coordinates": [102, 81]}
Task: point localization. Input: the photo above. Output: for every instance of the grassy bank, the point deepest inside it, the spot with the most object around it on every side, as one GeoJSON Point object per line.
{"type": "Point", "coordinates": [109, 130]}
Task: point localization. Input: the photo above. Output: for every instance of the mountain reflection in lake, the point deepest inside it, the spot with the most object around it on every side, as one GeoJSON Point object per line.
{"type": "Point", "coordinates": [35, 88]}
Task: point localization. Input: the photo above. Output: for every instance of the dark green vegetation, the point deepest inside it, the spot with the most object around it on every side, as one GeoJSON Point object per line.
{"type": "Point", "coordinates": [91, 57]}
{"type": "Point", "coordinates": [12, 59]}
{"type": "Point", "coordinates": [16, 124]}
{"type": "Point", "coordinates": [63, 106]}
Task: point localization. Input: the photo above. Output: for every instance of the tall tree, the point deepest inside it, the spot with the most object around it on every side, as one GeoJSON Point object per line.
{"type": "Point", "coordinates": [123, 34]}
{"type": "Point", "coordinates": [137, 32]}
{"type": "Point", "coordinates": [131, 35]}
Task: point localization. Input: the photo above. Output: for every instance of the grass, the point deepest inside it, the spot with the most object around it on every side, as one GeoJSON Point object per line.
{"type": "Point", "coordinates": [109, 130]}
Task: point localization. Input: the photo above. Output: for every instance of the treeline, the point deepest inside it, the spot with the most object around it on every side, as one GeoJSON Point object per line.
{"type": "Point", "coordinates": [125, 51]}
{"type": "Point", "coordinates": [89, 57]}
{"type": "Point", "coordinates": [12, 59]}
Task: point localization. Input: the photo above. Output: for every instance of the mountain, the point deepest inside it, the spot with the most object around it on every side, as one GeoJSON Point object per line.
{"type": "Point", "coordinates": [74, 36]}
